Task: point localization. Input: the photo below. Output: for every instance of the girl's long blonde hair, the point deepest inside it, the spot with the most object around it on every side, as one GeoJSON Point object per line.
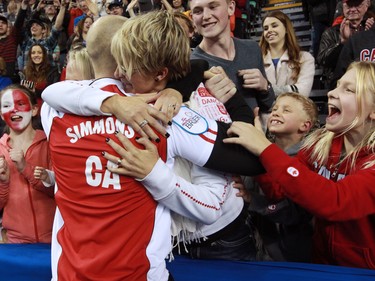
{"type": "Point", "coordinates": [320, 141]}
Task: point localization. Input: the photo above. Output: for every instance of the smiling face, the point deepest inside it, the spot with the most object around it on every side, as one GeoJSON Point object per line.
{"type": "Point", "coordinates": [287, 117]}
{"type": "Point", "coordinates": [211, 17]}
{"type": "Point", "coordinates": [274, 31]}
{"type": "Point", "coordinates": [3, 28]}
{"type": "Point", "coordinates": [346, 109]}
{"type": "Point", "coordinates": [36, 30]}
{"type": "Point", "coordinates": [36, 54]}
{"type": "Point", "coordinates": [177, 3]}
{"type": "Point", "coordinates": [87, 24]}
{"type": "Point", "coordinates": [16, 109]}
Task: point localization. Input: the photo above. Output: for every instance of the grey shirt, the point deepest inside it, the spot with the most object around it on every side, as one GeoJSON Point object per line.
{"type": "Point", "coordinates": [248, 55]}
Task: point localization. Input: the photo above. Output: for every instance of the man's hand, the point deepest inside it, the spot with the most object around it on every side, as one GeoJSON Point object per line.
{"type": "Point", "coordinates": [253, 79]}
{"type": "Point", "coordinates": [345, 31]}
{"type": "Point", "coordinates": [369, 23]}
{"type": "Point", "coordinates": [218, 84]}
{"type": "Point", "coordinates": [136, 112]}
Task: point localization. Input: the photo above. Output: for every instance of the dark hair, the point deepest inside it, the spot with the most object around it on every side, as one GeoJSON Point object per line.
{"type": "Point", "coordinates": [30, 94]}
{"type": "Point", "coordinates": [291, 43]}
{"type": "Point", "coordinates": [80, 26]}
{"type": "Point", "coordinates": [31, 71]}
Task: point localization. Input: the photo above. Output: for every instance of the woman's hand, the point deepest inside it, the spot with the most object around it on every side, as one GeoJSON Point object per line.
{"type": "Point", "coordinates": [169, 102]}
{"type": "Point", "coordinates": [248, 136]}
{"type": "Point", "coordinates": [136, 112]}
{"type": "Point", "coordinates": [40, 173]}
{"type": "Point", "coordinates": [4, 170]}
{"type": "Point", "coordinates": [132, 161]}
{"type": "Point", "coordinates": [17, 156]}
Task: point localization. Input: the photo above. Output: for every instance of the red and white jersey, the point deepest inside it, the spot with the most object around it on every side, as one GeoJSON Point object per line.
{"type": "Point", "coordinates": [108, 227]}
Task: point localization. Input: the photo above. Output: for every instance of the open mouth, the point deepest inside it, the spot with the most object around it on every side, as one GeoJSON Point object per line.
{"type": "Point", "coordinates": [333, 111]}
{"type": "Point", "coordinates": [16, 118]}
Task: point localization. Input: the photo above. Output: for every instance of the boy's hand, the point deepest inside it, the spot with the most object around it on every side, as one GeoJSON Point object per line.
{"type": "Point", "coordinates": [242, 191]}
{"type": "Point", "coordinates": [218, 84]}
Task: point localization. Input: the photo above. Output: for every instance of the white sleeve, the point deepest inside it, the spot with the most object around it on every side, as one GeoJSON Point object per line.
{"type": "Point", "coordinates": [200, 201]}
{"type": "Point", "coordinates": [192, 137]}
{"type": "Point", "coordinates": [76, 97]}
{"type": "Point", "coordinates": [47, 114]}
{"type": "Point", "coordinates": [51, 176]}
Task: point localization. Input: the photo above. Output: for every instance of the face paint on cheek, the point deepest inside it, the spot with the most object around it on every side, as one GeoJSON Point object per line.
{"type": "Point", "coordinates": [16, 109]}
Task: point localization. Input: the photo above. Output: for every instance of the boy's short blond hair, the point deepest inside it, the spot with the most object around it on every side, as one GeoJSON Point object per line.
{"type": "Point", "coordinates": [149, 42]}
{"type": "Point", "coordinates": [308, 106]}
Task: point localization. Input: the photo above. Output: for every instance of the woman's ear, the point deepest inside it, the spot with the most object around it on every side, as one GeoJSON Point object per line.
{"type": "Point", "coordinates": [161, 74]}
{"type": "Point", "coordinates": [34, 110]}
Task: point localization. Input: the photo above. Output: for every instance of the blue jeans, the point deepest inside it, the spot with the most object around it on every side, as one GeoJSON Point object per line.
{"type": "Point", "coordinates": [234, 242]}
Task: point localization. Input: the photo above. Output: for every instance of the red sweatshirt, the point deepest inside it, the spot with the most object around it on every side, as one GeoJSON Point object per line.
{"type": "Point", "coordinates": [343, 202]}
{"type": "Point", "coordinates": [29, 206]}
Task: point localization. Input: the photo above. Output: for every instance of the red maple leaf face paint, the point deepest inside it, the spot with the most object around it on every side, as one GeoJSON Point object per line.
{"type": "Point", "coordinates": [16, 109]}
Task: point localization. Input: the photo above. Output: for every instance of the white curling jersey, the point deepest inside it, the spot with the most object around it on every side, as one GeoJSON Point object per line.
{"type": "Point", "coordinates": [108, 227]}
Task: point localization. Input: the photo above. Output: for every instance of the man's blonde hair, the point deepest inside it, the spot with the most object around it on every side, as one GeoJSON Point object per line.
{"type": "Point", "coordinates": [149, 42]}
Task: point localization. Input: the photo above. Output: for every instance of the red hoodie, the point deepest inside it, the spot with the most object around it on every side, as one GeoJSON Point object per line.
{"type": "Point", "coordinates": [343, 202]}
{"type": "Point", "coordinates": [29, 206]}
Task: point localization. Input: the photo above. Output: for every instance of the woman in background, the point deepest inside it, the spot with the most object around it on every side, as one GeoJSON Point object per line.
{"type": "Point", "coordinates": [27, 202]}
{"type": "Point", "coordinates": [288, 68]}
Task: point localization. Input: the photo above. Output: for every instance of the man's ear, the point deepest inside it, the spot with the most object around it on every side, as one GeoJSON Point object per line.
{"type": "Point", "coordinates": [231, 7]}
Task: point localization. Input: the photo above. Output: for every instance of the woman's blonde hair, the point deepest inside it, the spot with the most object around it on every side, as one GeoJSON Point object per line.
{"type": "Point", "coordinates": [290, 44]}
{"type": "Point", "coordinates": [149, 42]}
{"type": "Point", "coordinates": [320, 141]}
